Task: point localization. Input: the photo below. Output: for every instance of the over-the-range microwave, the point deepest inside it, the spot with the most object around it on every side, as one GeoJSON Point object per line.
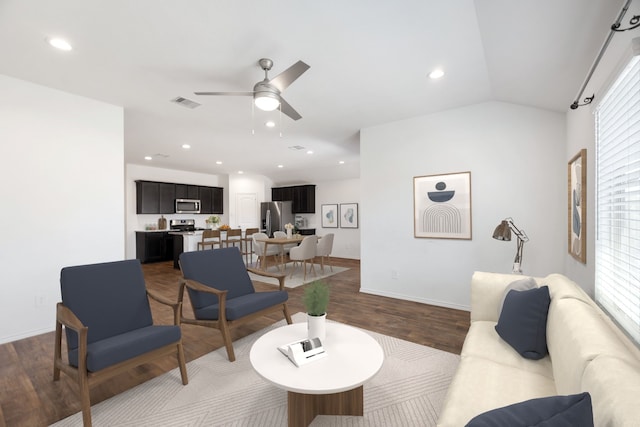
{"type": "Point", "coordinates": [187, 206]}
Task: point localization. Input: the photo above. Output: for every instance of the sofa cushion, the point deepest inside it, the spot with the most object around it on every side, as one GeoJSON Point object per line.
{"type": "Point", "coordinates": [523, 321]}
{"type": "Point", "coordinates": [577, 334]}
{"type": "Point", "coordinates": [480, 385]}
{"type": "Point", "coordinates": [482, 340]}
{"type": "Point", "coordinates": [614, 384]}
{"type": "Point", "coordinates": [517, 285]}
{"type": "Point", "coordinates": [555, 411]}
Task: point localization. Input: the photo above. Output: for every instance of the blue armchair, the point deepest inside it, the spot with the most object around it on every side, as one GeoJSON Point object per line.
{"type": "Point", "coordinates": [106, 315]}
{"type": "Point", "coordinates": [222, 294]}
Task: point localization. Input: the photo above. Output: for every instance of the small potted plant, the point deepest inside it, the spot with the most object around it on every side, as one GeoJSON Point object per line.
{"type": "Point", "coordinates": [212, 221]}
{"type": "Point", "coordinates": [316, 300]}
{"type": "Point", "coordinates": [289, 227]}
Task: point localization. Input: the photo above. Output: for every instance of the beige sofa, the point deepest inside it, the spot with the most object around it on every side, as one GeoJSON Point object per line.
{"type": "Point", "coordinates": [587, 352]}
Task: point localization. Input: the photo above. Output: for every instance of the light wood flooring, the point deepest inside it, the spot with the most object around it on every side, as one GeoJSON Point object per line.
{"type": "Point", "coordinates": [29, 397]}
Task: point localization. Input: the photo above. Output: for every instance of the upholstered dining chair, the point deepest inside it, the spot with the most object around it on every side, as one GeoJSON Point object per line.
{"type": "Point", "coordinates": [323, 250]}
{"type": "Point", "coordinates": [106, 315]}
{"type": "Point", "coordinates": [306, 251]}
{"type": "Point", "coordinates": [210, 238]}
{"type": "Point", "coordinates": [259, 249]}
{"type": "Point", "coordinates": [222, 294]}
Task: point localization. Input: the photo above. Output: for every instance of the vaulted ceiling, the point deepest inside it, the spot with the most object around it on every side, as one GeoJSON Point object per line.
{"type": "Point", "coordinates": [369, 61]}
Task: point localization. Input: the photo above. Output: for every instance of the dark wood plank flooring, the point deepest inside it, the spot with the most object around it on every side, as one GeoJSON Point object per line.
{"type": "Point", "coordinates": [29, 397]}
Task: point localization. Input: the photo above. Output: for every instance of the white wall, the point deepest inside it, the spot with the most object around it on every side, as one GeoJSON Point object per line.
{"type": "Point", "coordinates": [516, 158]}
{"type": "Point", "coordinates": [62, 197]}
{"type": "Point", "coordinates": [346, 242]}
{"type": "Point", "coordinates": [581, 134]}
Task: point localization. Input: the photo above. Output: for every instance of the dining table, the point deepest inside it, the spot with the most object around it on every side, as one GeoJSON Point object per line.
{"type": "Point", "coordinates": [281, 242]}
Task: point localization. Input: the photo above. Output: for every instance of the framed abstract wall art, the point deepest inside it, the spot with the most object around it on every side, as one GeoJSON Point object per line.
{"type": "Point", "coordinates": [349, 215]}
{"type": "Point", "coordinates": [577, 202]}
{"type": "Point", "coordinates": [442, 206]}
{"type": "Point", "coordinates": [329, 216]}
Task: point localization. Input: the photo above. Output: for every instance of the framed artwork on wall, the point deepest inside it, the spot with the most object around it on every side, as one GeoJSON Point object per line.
{"type": "Point", "coordinates": [577, 203]}
{"type": "Point", "coordinates": [329, 216]}
{"type": "Point", "coordinates": [442, 206]}
{"type": "Point", "coordinates": [349, 215]}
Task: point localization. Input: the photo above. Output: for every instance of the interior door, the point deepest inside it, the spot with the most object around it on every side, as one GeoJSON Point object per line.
{"type": "Point", "coordinates": [247, 210]}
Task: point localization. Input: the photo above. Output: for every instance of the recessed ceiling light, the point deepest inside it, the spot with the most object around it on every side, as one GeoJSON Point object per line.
{"type": "Point", "coordinates": [186, 146]}
{"type": "Point", "coordinates": [148, 157]}
{"type": "Point", "coordinates": [309, 152]}
{"type": "Point", "coordinates": [61, 44]}
{"type": "Point", "coordinates": [341, 162]}
{"type": "Point", "coordinates": [436, 74]}
{"type": "Point", "coordinates": [218, 162]}
{"type": "Point", "coordinates": [281, 166]}
{"type": "Point", "coordinates": [240, 172]}
{"type": "Point", "coordinates": [270, 124]}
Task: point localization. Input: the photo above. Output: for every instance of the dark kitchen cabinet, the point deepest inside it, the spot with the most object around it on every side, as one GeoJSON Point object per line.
{"type": "Point", "coordinates": [159, 197]}
{"type": "Point", "coordinates": [302, 196]}
{"type": "Point", "coordinates": [147, 197]}
{"type": "Point", "coordinates": [167, 192]}
{"type": "Point", "coordinates": [185, 191]}
{"type": "Point", "coordinates": [154, 246]}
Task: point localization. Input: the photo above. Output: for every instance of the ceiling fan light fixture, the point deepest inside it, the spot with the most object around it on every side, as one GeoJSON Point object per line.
{"type": "Point", "coordinates": [266, 101]}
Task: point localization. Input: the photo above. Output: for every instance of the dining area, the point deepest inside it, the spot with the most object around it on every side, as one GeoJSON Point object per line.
{"type": "Point", "coordinates": [264, 252]}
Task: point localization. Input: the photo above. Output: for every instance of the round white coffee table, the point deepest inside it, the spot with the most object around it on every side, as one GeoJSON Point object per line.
{"type": "Point", "coordinates": [331, 385]}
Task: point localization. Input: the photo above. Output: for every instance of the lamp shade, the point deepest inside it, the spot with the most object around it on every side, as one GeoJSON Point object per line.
{"type": "Point", "coordinates": [502, 231]}
{"type": "Point", "coordinates": [266, 101]}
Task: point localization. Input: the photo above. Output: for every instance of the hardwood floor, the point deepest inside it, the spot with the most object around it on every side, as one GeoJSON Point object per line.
{"type": "Point", "coordinates": [29, 397]}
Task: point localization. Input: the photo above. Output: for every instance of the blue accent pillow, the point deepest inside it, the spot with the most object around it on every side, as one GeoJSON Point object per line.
{"type": "Point", "coordinates": [555, 411]}
{"type": "Point", "coordinates": [523, 321]}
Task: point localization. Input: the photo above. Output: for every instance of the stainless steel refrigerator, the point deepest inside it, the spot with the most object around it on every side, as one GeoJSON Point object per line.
{"type": "Point", "coordinates": [274, 215]}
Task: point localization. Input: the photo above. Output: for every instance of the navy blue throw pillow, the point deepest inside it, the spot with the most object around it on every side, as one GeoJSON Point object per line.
{"type": "Point", "coordinates": [555, 411]}
{"type": "Point", "coordinates": [523, 321]}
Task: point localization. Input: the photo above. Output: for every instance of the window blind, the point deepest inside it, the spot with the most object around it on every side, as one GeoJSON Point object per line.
{"type": "Point", "coordinates": [617, 252]}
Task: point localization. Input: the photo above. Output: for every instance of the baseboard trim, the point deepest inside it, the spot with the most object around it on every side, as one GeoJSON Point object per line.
{"type": "Point", "coordinates": [415, 299]}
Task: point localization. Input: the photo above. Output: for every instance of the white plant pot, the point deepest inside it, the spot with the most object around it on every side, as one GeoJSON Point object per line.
{"type": "Point", "coordinates": [289, 233]}
{"type": "Point", "coordinates": [317, 326]}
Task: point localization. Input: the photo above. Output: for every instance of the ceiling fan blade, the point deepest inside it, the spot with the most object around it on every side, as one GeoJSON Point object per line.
{"type": "Point", "coordinates": [288, 110]}
{"type": "Point", "coordinates": [288, 76]}
{"type": "Point", "coordinates": [225, 93]}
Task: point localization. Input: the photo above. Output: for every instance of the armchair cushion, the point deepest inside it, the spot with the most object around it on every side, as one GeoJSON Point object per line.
{"type": "Point", "coordinates": [244, 305]}
{"type": "Point", "coordinates": [113, 350]}
{"type": "Point", "coordinates": [92, 291]}
{"type": "Point", "coordinates": [224, 271]}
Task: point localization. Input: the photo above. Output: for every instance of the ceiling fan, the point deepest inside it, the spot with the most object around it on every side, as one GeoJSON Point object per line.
{"type": "Point", "coordinates": [267, 93]}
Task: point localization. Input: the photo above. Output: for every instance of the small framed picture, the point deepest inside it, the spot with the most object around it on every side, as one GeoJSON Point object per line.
{"type": "Point", "coordinates": [349, 215]}
{"type": "Point", "coordinates": [329, 216]}
{"type": "Point", "coordinates": [442, 206]}
{"type": "Point", "coordinates": [577, 214]}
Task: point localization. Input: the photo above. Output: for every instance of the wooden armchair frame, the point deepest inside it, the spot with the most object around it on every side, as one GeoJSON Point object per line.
{"type": "Point", "coordinates": [65, 317]}
{"type": "Point", "coordinates": [222, 323]}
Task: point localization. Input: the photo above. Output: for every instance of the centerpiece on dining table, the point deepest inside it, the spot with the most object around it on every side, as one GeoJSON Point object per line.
{"type": "Point", "coordinates": [289, 227]}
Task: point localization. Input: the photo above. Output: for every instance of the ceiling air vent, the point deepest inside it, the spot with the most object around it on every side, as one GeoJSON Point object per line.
{"type": "Point", "coordinates": [296, 147]}
{"type": "Point", "coordinates": [185, 102]}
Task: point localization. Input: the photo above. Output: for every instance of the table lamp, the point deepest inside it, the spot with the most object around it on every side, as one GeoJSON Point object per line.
{"type": "Point", "coordinates": [503, 232]}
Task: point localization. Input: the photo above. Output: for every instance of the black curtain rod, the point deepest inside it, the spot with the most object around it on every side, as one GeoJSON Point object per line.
{"type": "Point", "coordinates": [615, 28]}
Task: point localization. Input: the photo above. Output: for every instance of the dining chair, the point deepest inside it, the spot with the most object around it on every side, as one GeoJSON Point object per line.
{"type": "Point", "coordinates": [248, 244]}
{"type": "Point", "coordinates": [285, 248]}
{"type": "Point", "coordinates": [234, 237]}
{"type": "Point", "coordinates": [106, 315]}
{"type": "Point", "coordinates": [323, 250]}
{"type": "Point", "coordinates": [259, 249]}
{"type": "Point", "coordinates": [303, 253]}
{"type": "Point", "coordinates": [210, 238]}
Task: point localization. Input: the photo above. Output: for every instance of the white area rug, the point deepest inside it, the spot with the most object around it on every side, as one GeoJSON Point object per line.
{"type": "Point", "coordinates": [296, 280]}
{"type": "Point", "coordinates": [408, 391]}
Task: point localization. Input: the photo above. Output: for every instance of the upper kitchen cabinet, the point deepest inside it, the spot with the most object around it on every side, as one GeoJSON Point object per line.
{"type": "Point", "coordinates": [184, 191]}
{"type": "Point", "coordinates": [159, 197]}
{"type": "Point", "coordinates": [210, 200]}
{"type": "Point", "coordinates": [302, 196]}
